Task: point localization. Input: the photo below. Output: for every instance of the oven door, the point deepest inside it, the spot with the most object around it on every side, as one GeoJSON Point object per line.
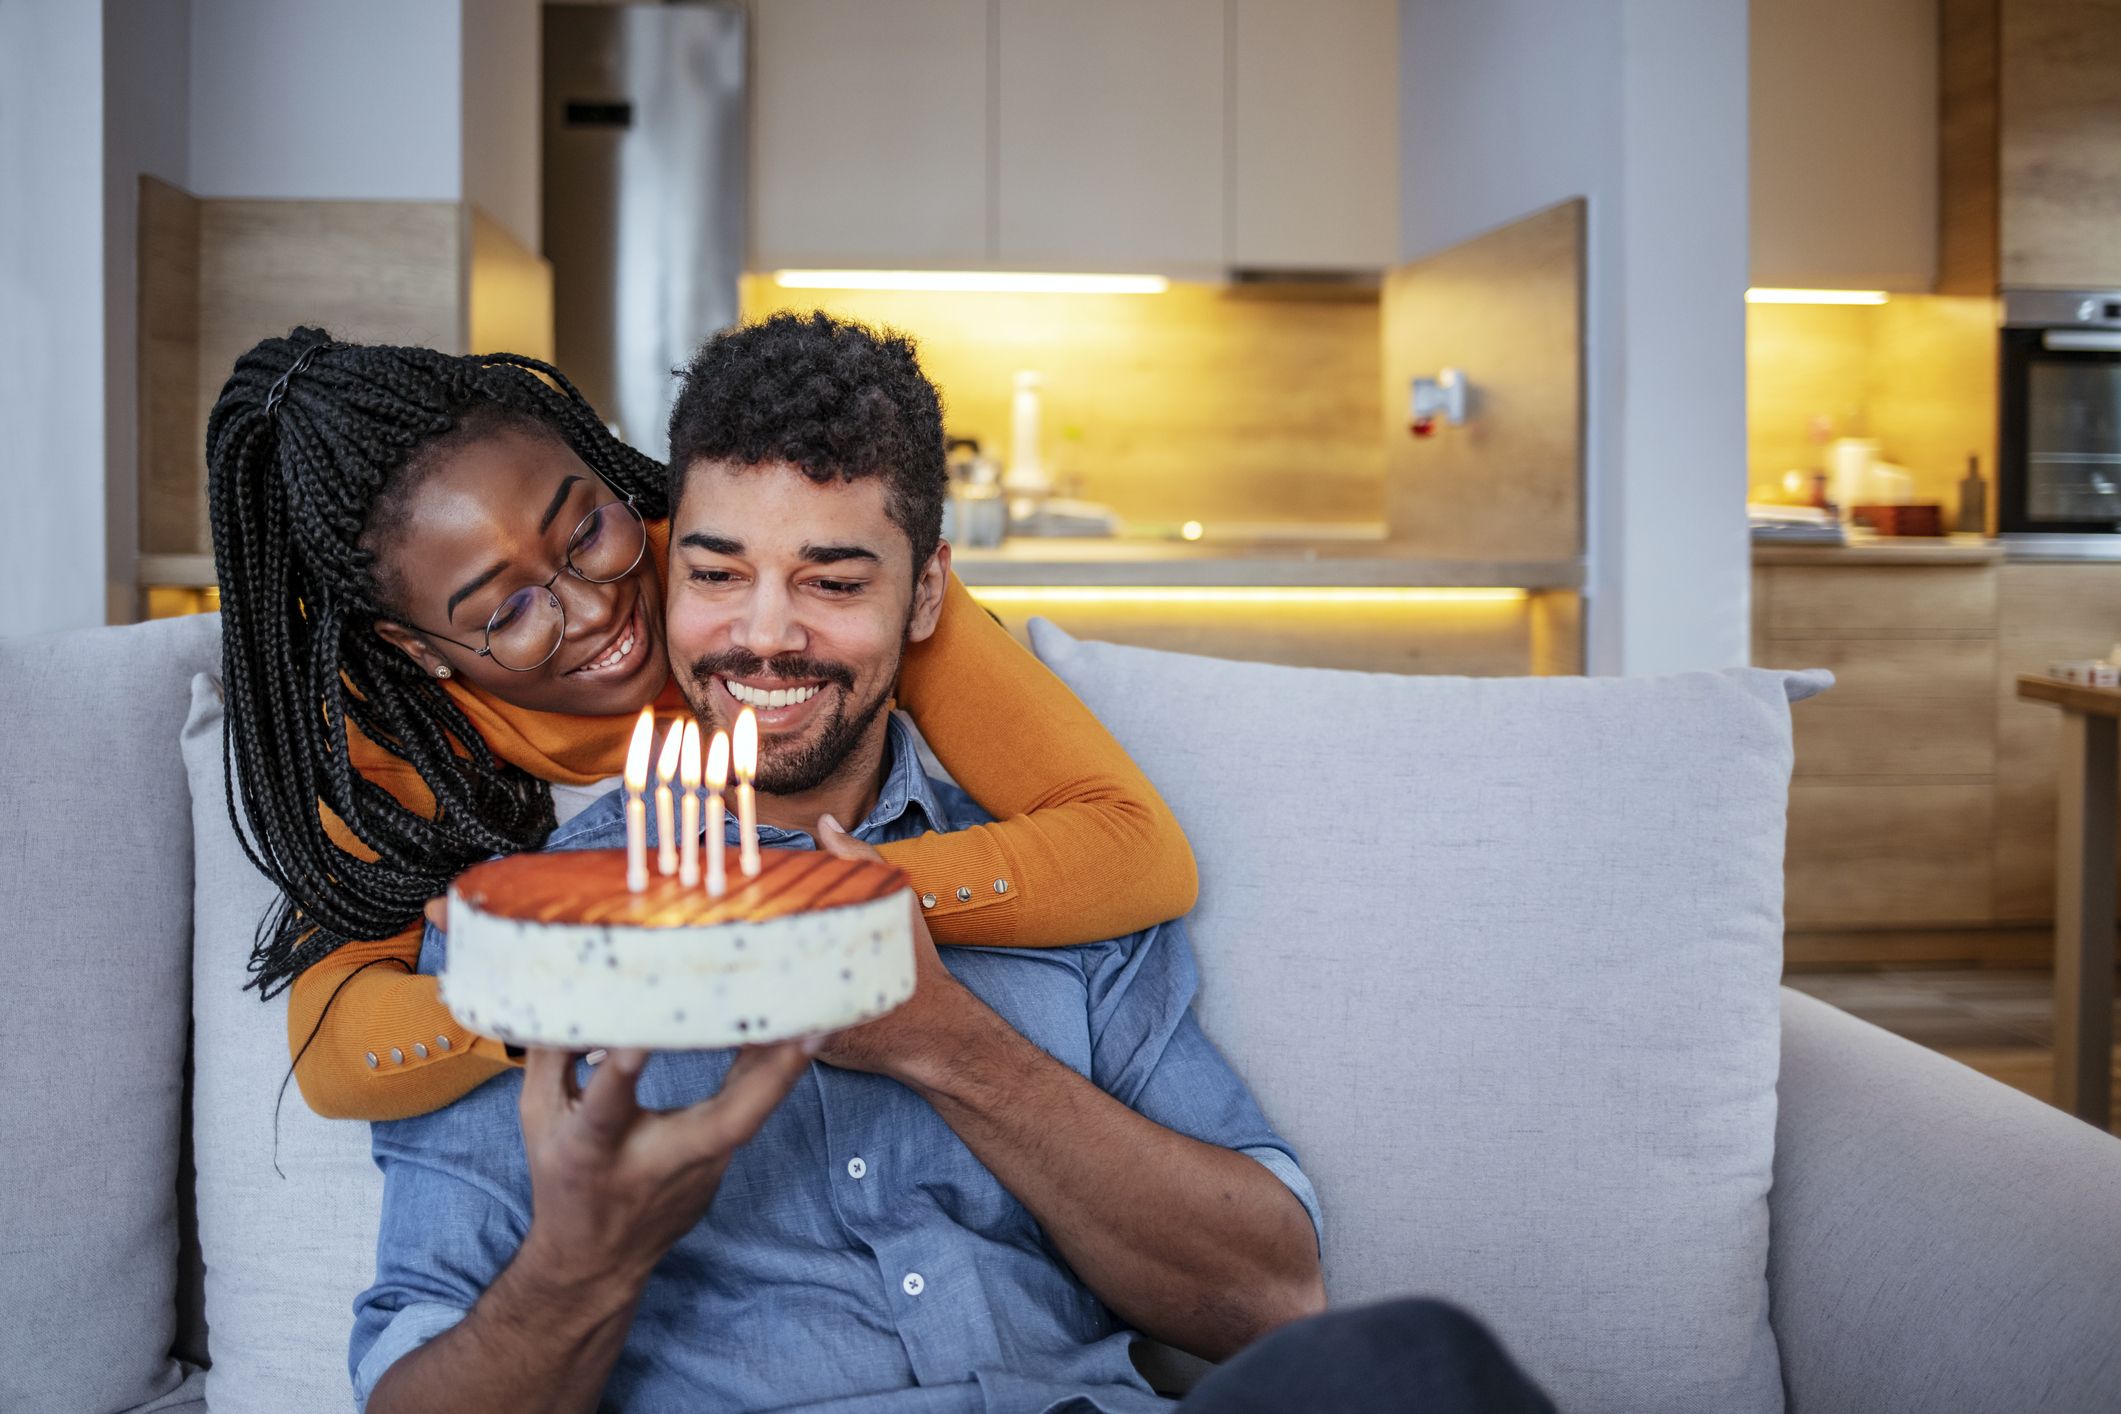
{"type": "Point", "coordinates": [2059, 431]}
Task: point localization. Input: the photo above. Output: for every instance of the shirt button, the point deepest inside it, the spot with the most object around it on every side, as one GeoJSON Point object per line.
{"type": "Point", "coordinates": [857, 1167]}
{"type": "Point", "coordinates": [442, 1041]}
{"type": "Point", "coordinates": [1001, 886]}
{"type": "Point", "coordinates": [419, 1048]}
{"type": "Point", "coordinates": [371, 1059]}
{"type": "Point", "coordinates": [927, 900]}
{"type": "Point", "coordinates": [964, 893]}
{"type": "Point", "coordinates": [914, 1284]}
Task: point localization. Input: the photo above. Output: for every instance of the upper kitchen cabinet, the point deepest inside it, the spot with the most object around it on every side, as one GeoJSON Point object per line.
{"type": "Point", "coordinates": [2032, 145]}
{"type": "Point", "coordinates": [1110, 132]}
{"type": "Point", "coordinates": [1314, 150]}
{"type": "Point", "coordinates": [871, 143]}
{"type": "Point", "coordinates": [1844, 144]}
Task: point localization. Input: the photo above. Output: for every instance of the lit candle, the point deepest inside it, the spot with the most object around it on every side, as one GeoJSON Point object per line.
{"type": "Point", "coordinates": [717, 777]}
{"type": "Point", "coordinates": [636, 804]}
{"type": "Point", "coordinates": [746, 752]}
{"type": "Point", "coordinates": [689, 783]}
{"type": "Point", "coordinates": [666, 835]}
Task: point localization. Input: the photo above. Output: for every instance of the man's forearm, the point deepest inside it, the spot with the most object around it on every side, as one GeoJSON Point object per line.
{"type": "Point", "coordinates": [534, 1343]}
{"type": "Point", "coordinates": [1194, 1244]}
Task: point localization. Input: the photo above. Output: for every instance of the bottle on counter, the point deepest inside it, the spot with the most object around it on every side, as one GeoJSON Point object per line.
{"type": "Point", "coordinates": [1973, 500]}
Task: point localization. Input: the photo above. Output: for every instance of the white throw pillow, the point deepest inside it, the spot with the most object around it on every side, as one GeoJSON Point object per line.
{"type": "Point", "coordinates": [287, 1251]}
{"type": "Point", "coordinates": [1500, 957]}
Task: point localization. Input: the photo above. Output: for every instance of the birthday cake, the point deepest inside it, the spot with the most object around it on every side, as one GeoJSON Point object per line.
{"type": "Point", "coordinates": [555, 950]}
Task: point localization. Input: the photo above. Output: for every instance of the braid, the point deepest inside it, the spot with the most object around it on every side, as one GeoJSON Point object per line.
{"type": "Point", "coordinates": [302, 448]}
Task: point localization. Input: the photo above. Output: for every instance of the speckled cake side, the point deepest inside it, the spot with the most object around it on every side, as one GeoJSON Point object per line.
{"type": "Point", "coordinates": [587, 984]}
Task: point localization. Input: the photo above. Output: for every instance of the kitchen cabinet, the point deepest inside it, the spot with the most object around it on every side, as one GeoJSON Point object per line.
{"type": "Point", "coordinates": [1844, 144]}
{"type": "Point", "coordinates": [1185, 137]}
{"type": "Point", "coordinates": [1110, 135]}
{"type": "Point", "coordinates": [2045, 612]}
{"type": "Point", "coordinates": [1314, 143]}
{"type": "Point", "coordinates": [1892, 795]}
{"type": "Point", "coordinates": [871, 142]}
{"type": "Point", "coordinates": [2031, 169]}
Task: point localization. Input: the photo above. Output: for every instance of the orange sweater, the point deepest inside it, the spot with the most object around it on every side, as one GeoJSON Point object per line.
{"type": "Point", "coordinates": [1088, 847]}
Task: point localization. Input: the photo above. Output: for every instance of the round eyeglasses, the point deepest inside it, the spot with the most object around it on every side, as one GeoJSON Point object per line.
{"type": "Point", "coordinates": [530, 624]}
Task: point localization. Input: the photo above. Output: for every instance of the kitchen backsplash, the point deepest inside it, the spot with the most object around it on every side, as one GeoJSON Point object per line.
{"type": "Point", "coordinates": [1917, 373]}
{"type": "Point", "coordinates": [1196, 404]}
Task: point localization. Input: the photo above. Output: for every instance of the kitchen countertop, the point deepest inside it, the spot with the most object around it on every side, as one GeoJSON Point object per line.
{"type": "Point", "coordinates": [1278, 564]}
{"type": "Point", "coordinates": [1885, 550]}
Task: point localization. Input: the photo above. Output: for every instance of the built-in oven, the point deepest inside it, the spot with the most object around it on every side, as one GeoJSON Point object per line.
{"type": "Point", "coordinates": [2059, 425]}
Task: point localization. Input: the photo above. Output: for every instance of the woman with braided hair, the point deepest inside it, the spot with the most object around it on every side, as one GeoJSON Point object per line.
{"type": "Point", "coordinates": [393, 719]}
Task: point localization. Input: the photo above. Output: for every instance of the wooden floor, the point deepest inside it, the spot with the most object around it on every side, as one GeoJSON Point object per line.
{"type": "Point", "coordinates": [1999, 1021]}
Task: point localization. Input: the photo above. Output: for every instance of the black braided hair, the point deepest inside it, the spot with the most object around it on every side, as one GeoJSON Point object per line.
{"type": "Point", "coordinates": [310, 442]}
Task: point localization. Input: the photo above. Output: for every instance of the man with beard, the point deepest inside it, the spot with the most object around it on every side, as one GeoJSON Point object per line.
{"type": "Point", "coordinates": [975, 1202]}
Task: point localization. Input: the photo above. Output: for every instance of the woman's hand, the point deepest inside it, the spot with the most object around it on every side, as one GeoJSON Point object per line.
{"type": "Point", "coordinates": [437, 911]}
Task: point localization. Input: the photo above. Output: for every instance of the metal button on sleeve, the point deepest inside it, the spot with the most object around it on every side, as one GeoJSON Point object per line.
{"type": "Point", "coordinates": [1001, 886]}
{"type": "Point", "coordinates": [442, 1041]}
{"type": "Point", "coordinates": [927, 900]}
{"type": "Point", "coordinates": [964, 893]}
{"type": "Point", "coordinates": [857, 1167]}
{"type": "Point", "coordinates": [419, 1048]}
{"type": "Point", "coordinates": [397, 1057]}
{"type": "Point", "coordinates": [914, 1284]}
{"type": "Point", "coordinates": [371, 1059]}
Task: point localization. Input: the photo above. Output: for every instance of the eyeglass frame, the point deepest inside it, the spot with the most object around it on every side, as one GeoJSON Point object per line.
{"type": "Point", "coordinates": [567, 566]}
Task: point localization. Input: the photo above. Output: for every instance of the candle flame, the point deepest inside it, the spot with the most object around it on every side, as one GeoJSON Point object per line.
{"type": "Point", "coordinates": [746, 746]}
{"type": "Point", "coordinates": [666, 765]}
{"type": "Point", "coordinates": [718, 761]}
{"type": "Point", "coordinates": [689, 757]}
{"type": "Point", "coordinates": [637, 753]}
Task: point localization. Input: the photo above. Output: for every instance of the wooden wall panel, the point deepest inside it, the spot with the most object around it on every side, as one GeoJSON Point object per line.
{"type": "Point", "coordinates": [172, 488]}
{"type": "Point", "coordinates": [1968, 259]}
{"type": "Point", "coordinates": [2060, 143]}
{"type": "Point", "coordinates": [1904, 853]}
{"type": "Point", "coordinates": [1507, 308]}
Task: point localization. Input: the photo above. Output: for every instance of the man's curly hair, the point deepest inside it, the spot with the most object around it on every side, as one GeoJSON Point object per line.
{"type": "Point", "coordinates": [833, 397]}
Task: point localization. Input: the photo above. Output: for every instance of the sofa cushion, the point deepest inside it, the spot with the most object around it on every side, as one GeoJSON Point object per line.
{"type": "Point", "coordinates": [95, 882]}
{"type": "Point", "coordinates": [289, 1229]}
{"type": "Point", "coordinates": [1500, 957]}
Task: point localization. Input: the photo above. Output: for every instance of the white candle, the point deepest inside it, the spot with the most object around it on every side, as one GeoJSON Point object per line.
{"type": "Point", "coordinates": [745, 749]}
{"type": "Point", "coordinates": [636, 805]}
{"type": "Point", "coordinates": [666, 835]}
{"type": "Point", "coordinates": [717, 777]}
{"type": "Point", "coordinates": [689, 783]}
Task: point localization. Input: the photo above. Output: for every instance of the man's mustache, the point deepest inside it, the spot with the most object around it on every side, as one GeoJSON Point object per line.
{"type": "Point", "coordinates": [741, 663]}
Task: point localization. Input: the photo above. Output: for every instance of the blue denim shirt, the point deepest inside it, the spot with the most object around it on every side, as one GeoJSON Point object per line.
{"type": "Point", "coordinates": [858, 1257]}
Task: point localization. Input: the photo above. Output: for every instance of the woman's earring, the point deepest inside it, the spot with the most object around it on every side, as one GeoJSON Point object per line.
{"type": "Point", "coordinates": [443, 671]}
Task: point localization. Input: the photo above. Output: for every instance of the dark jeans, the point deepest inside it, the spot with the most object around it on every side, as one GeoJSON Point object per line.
{"type": "Point", "coordinates": [1417, 1355]}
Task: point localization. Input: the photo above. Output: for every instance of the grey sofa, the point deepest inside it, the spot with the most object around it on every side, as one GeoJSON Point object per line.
{"type": "Point", "coordinates": [1932, 1240]}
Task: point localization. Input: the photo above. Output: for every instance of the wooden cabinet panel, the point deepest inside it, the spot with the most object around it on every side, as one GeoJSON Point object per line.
{"type": "Point", "coordinates": [1314, 150]}
{"type": "Point", "coordinates": [1881, 601]}
{"type": "Point", "coordinates": [2060, 136]}
{"type": "Point", "coordinates": [1896, 737]}
{"type": "Point", "coordinates": [2044, 612]}
{"type": "Point", "coordinates": [1844, 143]}
{"type": "Point", "coordinates": [1889, 668]}
{"type": "Point", "coordinates": [1111, 134]}
{"type": "Point", "coordinates": [1903, 854]}
{"type": "Point", "coordinates": [870, 133]}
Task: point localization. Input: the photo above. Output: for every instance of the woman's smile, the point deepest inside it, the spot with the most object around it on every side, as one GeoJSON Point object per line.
{"type": "Point", "coordinates": [622, 655]}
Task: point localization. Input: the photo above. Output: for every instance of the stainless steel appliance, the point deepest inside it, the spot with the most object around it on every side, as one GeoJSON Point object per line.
{"type": "Point", "coordinates": [644, 196]}
{"type": "Point", "coordinates": [2059, 430]}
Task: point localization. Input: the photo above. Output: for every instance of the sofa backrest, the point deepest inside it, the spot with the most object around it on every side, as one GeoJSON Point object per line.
{"type": "Point", "coordinates": [96, 889]}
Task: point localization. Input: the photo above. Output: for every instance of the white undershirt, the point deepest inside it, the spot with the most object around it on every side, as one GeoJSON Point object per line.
{"type": "Point", "coordinates": [570, 801]}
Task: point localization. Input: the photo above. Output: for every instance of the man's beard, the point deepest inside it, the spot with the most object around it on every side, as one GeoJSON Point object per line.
{"type": "Point", "coordinates": [811, 765]}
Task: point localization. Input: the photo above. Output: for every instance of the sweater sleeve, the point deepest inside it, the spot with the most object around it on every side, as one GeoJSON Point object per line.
{"type": "Point", "coordinates": [370, 1037]}
{"type": "Point", "coordinates": [1084, 848]}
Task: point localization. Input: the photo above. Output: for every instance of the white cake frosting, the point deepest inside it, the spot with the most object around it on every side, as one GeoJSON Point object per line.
{"type": "Point", "coordinates": [582, 973]}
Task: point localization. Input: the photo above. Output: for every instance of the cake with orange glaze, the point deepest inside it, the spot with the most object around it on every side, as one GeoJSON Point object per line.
{"type": "Point", "coordinates": [553, 950]}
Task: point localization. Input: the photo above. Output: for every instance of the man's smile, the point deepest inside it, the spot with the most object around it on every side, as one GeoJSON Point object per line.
{"type": "Point", "coordinates": [783, 705]}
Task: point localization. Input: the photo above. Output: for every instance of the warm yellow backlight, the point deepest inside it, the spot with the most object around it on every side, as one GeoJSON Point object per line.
{"type": "Point", "coordinates": [1192, 530]}
{"type": "Point", "coordinates": [1815, 296]}
{"type": "Point", "coordinates": [1032, 596]}
{"type": "Point", "coordinates": [971, 282]}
